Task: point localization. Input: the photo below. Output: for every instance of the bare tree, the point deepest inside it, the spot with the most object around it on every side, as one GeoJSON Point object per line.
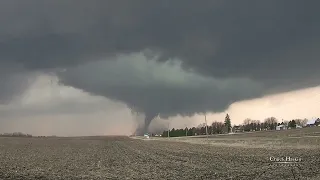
{"type": "Point", "coordinates": [255, 125]}
{"type": "Point", "coordinates": [286, 123]}
{"type": "Point", "coordinates": [301, 122]}
{"type": "Point", "coordinates": [217, 127]}
{"type": "Point", "coordinates": [304, 122]}
{"type": "Point", "coordinates": [247, 121]}
{"type": "Point", "coordinates": [271, 122]}
{"type": "Point", "coordinates": [247, 124]}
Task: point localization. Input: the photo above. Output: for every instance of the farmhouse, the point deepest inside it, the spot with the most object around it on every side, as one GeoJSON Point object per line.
{"type": "Point", "coordinates": [281, 127]}
{"type": "Point", "coordinates": [237, 129]}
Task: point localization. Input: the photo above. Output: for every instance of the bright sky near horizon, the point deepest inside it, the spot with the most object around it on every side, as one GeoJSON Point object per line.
{"type": "Point", "coordinates": [51, 109]}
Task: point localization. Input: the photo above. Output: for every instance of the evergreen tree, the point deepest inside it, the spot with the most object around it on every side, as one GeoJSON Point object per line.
{"type": "Point", "coordinates": [227, 123]}
{"type": "Point", "coordinates": [292, 124]}
{"type": "Point", "coordinates": [289, 124]}
{"type": "Point", "coordinates": [173, 133]}
{"type": "Point", "coordinates": [165, 134]}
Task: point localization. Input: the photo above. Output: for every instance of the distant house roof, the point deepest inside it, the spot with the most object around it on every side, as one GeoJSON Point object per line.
{"type": "Point", "coordinates": [312, 121]}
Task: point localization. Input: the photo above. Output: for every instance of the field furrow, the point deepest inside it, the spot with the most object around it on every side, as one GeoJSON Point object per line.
{"type": "Point", "coordinates": [127, 158]}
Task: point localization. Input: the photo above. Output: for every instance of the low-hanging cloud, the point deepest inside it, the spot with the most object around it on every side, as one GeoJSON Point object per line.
{"type": "Point", "coordinates": [154, 88]}
{"type": "Point", "coordinates": [14, 80]}
{"type": "Point", "coordinates": [229, 50]}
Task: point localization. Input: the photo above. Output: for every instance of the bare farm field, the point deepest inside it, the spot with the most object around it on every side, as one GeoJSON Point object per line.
{"type": "Point", "coordinates": [292, 154]}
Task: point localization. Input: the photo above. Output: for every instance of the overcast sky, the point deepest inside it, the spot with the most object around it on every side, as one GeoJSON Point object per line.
{"type": "Point", "coordinates": [105, 67]}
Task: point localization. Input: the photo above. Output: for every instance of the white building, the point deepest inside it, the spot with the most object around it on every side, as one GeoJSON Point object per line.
{"type": "Point", "coordinates": [146, 136]}
{"type": "Point", "coordinates": [313, 122]}
{"type": "Point", "coordinates": [281, 127]}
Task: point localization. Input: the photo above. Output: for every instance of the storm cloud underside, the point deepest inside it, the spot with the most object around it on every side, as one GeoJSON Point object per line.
{"type": "Point", "coordinates": [229, 50]}
{"type": "Point", "coordinates": [154, 88]}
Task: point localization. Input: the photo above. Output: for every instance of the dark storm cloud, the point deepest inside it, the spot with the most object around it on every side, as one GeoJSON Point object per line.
{"type": "Point", "coordinates": [222, 38]}
{"type": "Point", "coordinates": [156, 88]}
{"type": "Point", "coordinates": [13, 81]}
{"type": "Point", "coordinates": [272, 42]}
{"type": "Point", "coordinates": [11, 86]}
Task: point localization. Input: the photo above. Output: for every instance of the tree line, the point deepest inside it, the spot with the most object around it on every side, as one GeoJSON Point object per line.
{"type": "Point", "coordinates": [270, 124]}
{"type": "Point", "coordinates": [15, 134]}
{"type": "Point", "coordinates": [216, 127]}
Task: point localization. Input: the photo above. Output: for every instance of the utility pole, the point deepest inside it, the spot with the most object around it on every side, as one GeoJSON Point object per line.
{"type": "Point", "coordinates": [205, 119]}
{"type": "Point", "coordinates": [168, 129]}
